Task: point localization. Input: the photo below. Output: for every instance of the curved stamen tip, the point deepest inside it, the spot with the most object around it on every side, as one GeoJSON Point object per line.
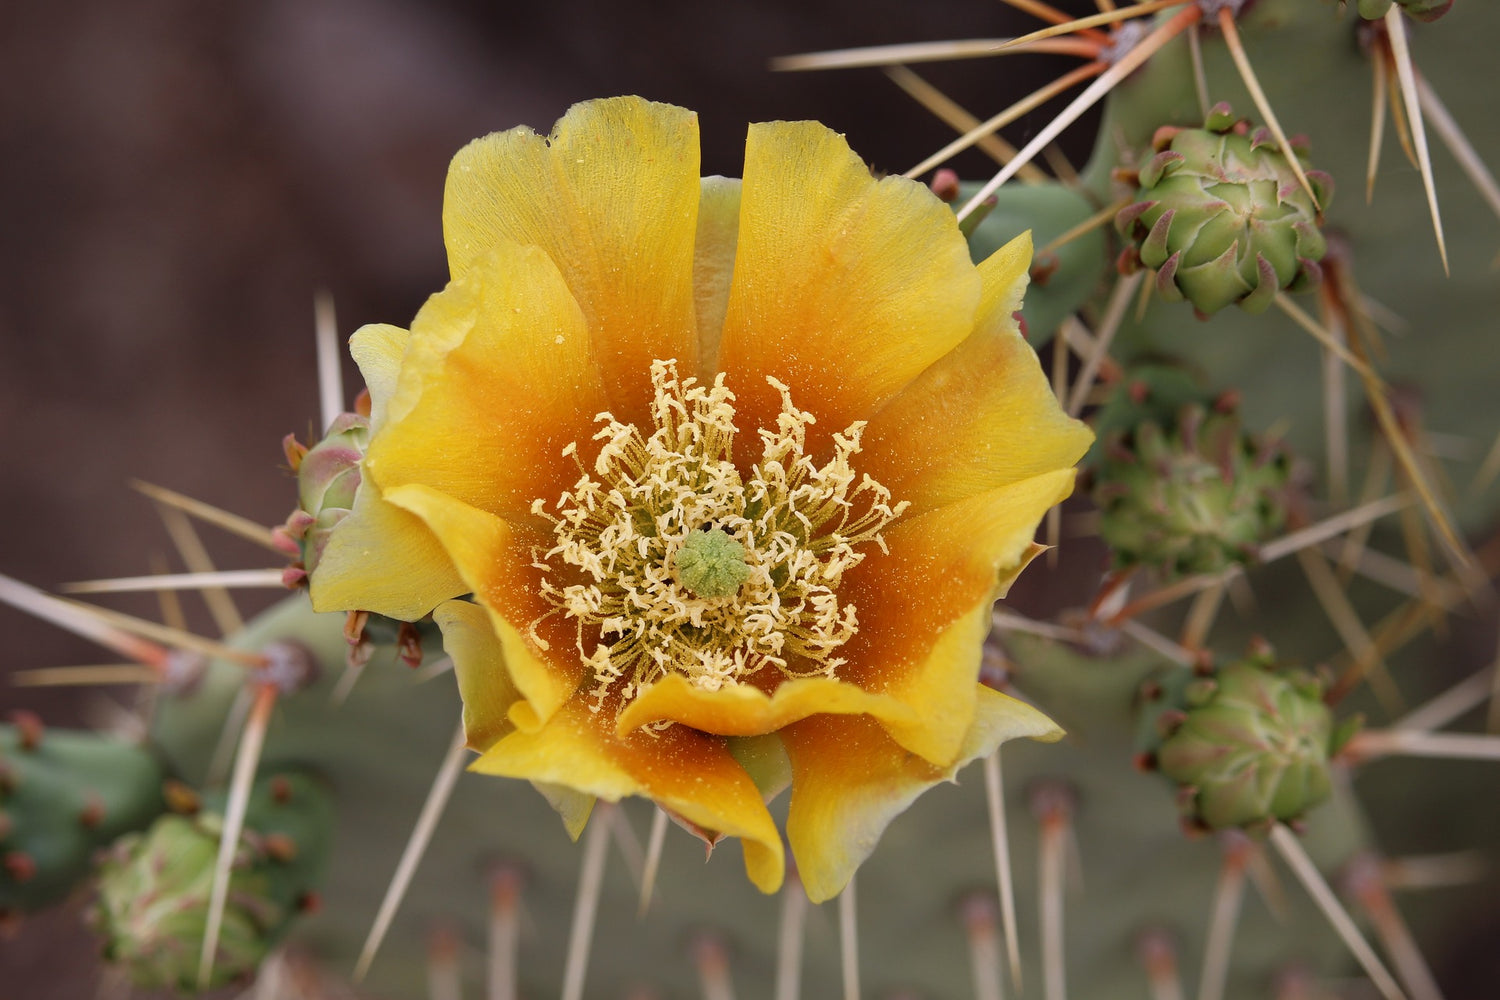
{"type": "Point", "coordinates": [711, 564]}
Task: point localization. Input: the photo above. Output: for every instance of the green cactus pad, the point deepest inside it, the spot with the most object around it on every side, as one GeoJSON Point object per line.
{"type": "Point", "coordinates": [63, 795]}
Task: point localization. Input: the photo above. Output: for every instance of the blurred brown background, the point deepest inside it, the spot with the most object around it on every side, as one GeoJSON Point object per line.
{"type": "Point", "coordinates": [178, 178]}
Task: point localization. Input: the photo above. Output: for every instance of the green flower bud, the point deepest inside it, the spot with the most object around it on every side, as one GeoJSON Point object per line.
{"type": "Point", "coordinates": [154, 888]}
{"type": "Point", "coordinates": [1196, 497]}
{"type": "Point", "coordinates": [1222, 218]}
{"type": "Point", "coordinates": [328, 477]}
{"type": "Point", "coordinates": [153, 904]}
{"type": "Point", "coordinates": [1250, 746]}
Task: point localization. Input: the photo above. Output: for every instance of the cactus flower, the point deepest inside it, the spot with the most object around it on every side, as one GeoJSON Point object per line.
{"type": "Point", "coordinates": [730, 471]}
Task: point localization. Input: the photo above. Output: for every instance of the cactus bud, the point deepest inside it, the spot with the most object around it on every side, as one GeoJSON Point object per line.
{"type": "Point", "coordinates": [1196, 497]}
{"type": "Point", "coordinates": [1222, 218]}
{"type": "Point", "coordinates": [328, 476]}
{"type": "Point", "coordinates": [153, 903]}
{"type": "Point", "coordinates": [1248, 751]}
{"type": "Point", "coordinates": [154, 888]}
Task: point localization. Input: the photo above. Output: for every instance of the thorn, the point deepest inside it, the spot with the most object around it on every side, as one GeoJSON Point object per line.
{"type": "Point", "coordinates": [1041, 11]}
{"type": "Point", "coordinates": [1224, 915]}
{"type": "Point", "coordinates": [1322, 531]}
{"type": "Point", "coordinates": [1098, 220]}
{"type": "Point", "coordinates": [232, 523]}
{"type": "Point", "coordinates": [1114, 315]}
{"type": "Point", "coordinates": [979, 132]}
{"type": "Point", "coordinates": [427, 820]}
{"type": "Point", "coordinates": [1430, 871]}
{"type": "Point", "coordinates": [1052, 803]}
{"type": "Point", "coordinates": [1377, 123]}
{"type": "Point", "coordinates": [654, 843]}
{"type": "Point", "coordinates": [1158, 953]}
{"type": "Point", "coordinates": [218, 765]}
{"type": "Point", "coordinates": [444, 979]}
{"type": "Point", "coordinates": [1291, 851]}
{"type": "Point", "coordinates": [1401, 54]}
{"type": "Point", "coordinates": [630, 845]}
{"type": "Point", "coordinates": [190, 547]}
{"type": "Point", "coordinates": [1101, 86]}
{"type": "Point", "coordinates": [981, 924]}
{"type": "Point", "coordinates": [712, 960]}
{"type": "Point", "coordinates": [955, 116]}
{"type": "Point", "coordinates": [849, 941]}
{"type": "Point", "coordinates": [1368, 663]}
{"type": "Point", "coordinates": [330, 375]}
{"type": "Point", "coordinates": [916, 52]}
{"type": "Point", "coordinates": [252, 739]}
{"type": "Point", "coordinates": [1200, 78]}
{"type": "Point", "coordinates": [1458, 144]}
{"type": "Point", "coordinates": [73, 618]}
{"type": "Point", "coordinates": [586, 907]}
{"type": "Point", "coordinates": [1201, 616]}
{"type": "Point", "coordinates": [789, 939]}
{"type": "Point", "coordinates": [505, 897]}
{"type": "Point", "coordinates": [994, 793]}
{"type": "Point", "coordinates": [1247, 74]}
{"type": "Point", "coordinates": [269, 578]}
{"type": "Point", "coordinates": [1369, 744]}
{"type": "Point", "coordinates": [1093, 21]}
{"type": "Point", "coordinates": [1364, 881]}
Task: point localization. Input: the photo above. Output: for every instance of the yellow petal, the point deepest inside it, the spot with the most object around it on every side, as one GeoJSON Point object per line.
{"type": "Point", "coordinates": [497, 379]}
{"type": "Point", "coordinates": [377, 349]}
{"type": "Point", "coordinates": [850, 779]}
{"type": "Point", "coordinates": [494, 559]}
{"type": "Point", "coordinates": [612, 198]}
{"type": "Point", "coordinates": [845, 288]}
{"type": "Point", "coordinates": [743, 710]}
{"type": "Point", "coordinates": [573, 808]}
{"type": "Point", "coordinates": [479, 664]}
{"type": "Point", "coordinates": [713, 265]}
{"type": "Point", "coordinates": [980, 418]}
{"type": "Point", "coordinates": [683, 771]}
{"type": "Point", "coordinates": [380, 558]}
{"type": "Point", "coordinates": [924, 607]}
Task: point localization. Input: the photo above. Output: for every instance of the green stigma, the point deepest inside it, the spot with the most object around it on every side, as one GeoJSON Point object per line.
{"type": "Point", "coordinates": [711, 564]}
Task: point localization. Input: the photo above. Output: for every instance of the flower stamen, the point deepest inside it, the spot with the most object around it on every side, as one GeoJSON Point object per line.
{"type": "Point", "coordinates": [670, 560]}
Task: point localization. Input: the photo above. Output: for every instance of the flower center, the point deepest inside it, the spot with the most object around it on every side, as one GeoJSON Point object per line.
{"type": "Point", "coordinates": [670, 560]}
{"type": "Point", "coordinates": [711, 564]}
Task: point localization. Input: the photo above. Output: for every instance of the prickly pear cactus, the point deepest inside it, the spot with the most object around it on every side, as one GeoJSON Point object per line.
{"type": "Point", "coordinates": [1193, 540]}
{"type": "Point", "coordinates": [63, 795]}
{"type": "Point", "coordinates": [156, 887]}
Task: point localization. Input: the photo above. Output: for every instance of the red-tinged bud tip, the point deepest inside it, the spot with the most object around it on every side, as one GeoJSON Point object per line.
{"type": "Point", "coordinates": [945, 185]}
{"type": "Point", "coordinates": [280, 847]}
{"type": "Point", "coordinates": [29, 728]}
{"type": "Point", "coordinates": [180, 798]}
{"type": "Point", "coordinates": [19, 865]}
{"type": "Point", "coordinates": [294, 450]}
{"type": "Point", "coordinates": [92, 814]}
